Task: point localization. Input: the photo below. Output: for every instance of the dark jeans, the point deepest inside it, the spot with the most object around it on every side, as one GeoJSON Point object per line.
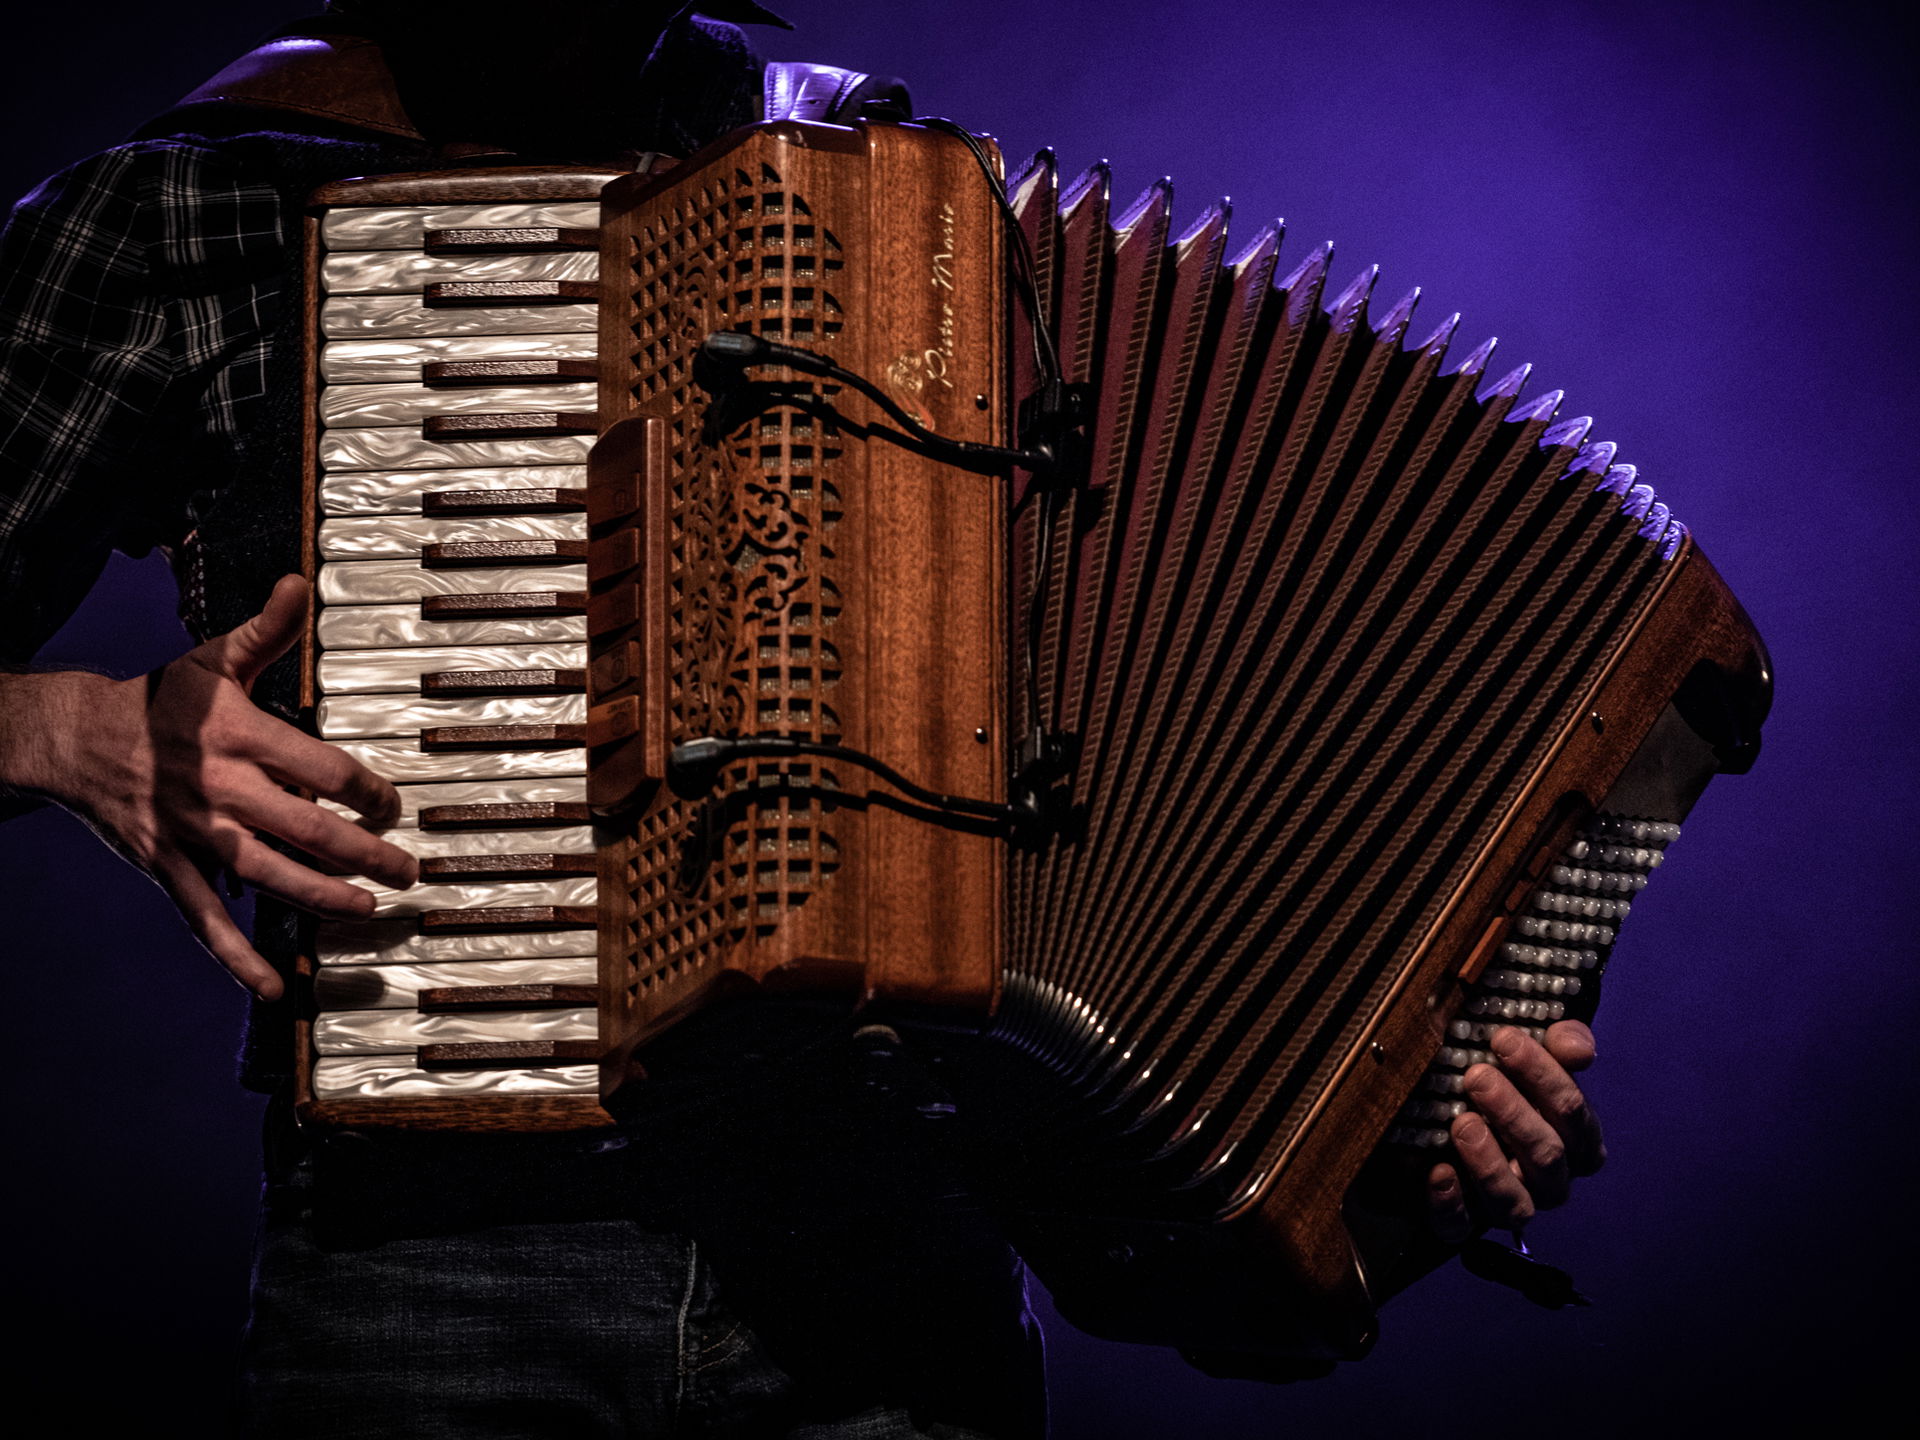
{"type": "Point", "coordinates": [799, 1264]}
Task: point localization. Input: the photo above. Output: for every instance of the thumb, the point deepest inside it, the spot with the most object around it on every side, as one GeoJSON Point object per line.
{"type": "Point", "coordinates": [247, 649]}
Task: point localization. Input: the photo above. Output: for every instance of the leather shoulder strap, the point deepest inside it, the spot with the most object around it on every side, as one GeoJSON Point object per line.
{"type": "Point", "coordinates": [796, 90]}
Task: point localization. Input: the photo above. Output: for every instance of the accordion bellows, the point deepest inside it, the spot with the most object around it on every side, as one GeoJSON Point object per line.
{"type": "Point", "coordinates": [1320, 613]}
{"type": "Point", "coordinates": [1333, 622]}
{"type": "Point", "coordinates": [1381, 690]}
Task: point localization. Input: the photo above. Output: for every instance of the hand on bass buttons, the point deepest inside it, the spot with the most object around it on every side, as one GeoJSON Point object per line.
{"type": "Point", "coordinates": [1528, 1134]}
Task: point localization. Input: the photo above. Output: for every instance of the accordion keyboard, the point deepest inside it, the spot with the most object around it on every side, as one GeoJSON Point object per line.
{"type": "Point", "coordinates": [456, 405]}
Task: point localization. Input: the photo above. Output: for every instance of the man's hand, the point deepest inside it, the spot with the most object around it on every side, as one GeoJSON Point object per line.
{"type": "Point", "coordinates": [182, 774]}
{"type": "Point", "coordinates": [1529, 1134]}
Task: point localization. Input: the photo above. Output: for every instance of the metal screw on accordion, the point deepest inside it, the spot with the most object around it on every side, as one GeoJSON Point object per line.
{"type": "Point", "coordinates": [1598, 721]}
{"type": "Point", "coordinates": [1378, 1052]}
{"type": "Point", "coordinates": [980, 402]}
{"type": "Point", "coordinates": [980, 735]}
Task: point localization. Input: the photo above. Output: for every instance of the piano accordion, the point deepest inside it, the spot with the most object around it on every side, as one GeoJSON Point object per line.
{"type": "Point", "coordinates": [1211, 790]}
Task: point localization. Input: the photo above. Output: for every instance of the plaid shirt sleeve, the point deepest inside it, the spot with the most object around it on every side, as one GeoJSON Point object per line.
{"type": "Point", "coordinates": [136, 298]}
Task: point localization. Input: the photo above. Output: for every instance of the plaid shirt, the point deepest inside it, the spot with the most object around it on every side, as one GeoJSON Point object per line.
{"type": "Point", "coordinates": [138, 295]}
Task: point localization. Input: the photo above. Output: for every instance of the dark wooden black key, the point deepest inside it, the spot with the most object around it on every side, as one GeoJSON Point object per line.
{"type": "Point", "coordinates": [457, 374]}
{"type": "Point", "coordinates": [442, 738]}
{"type": "Point", "coordinates": [503, 682]}
{"type": "Point", "coordinates": [517, 425]}
{"type": "Point", "coordinates": [518, 605]}
{"type": "Point", "coordinates": [507, 919]}
{"type": "Point", "coordinates": [510, 240]}
{"type": "Point", "coordinates": [542, 866]}
{"type": "Point", "coordinates": [508, 1055]}
{"type": "Point", "coordinates": [473, 294]}
{"type": "Point", "coordinates": [510, 500]}
{"type": "Point", "coordinates": [479, 999]}
{"type": "Point", "coordinates": [488, 554]}
{"type": "Point", "coordinates": [519, 815]}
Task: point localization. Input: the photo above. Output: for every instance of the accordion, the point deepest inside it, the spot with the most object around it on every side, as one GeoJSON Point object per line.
{"type": "Point", "coordinates": [1195, 706]}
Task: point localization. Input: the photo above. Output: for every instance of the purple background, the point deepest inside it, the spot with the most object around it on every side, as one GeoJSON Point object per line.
{"type": "Point", "coordinates": [1694, 217]}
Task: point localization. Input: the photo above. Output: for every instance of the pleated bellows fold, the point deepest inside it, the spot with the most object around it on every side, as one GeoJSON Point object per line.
{"type": "Point", "coordinates": [1313, 605]}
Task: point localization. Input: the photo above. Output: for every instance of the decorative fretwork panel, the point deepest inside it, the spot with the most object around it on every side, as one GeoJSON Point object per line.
{"type": "Point", "coordinates": [752, 602]}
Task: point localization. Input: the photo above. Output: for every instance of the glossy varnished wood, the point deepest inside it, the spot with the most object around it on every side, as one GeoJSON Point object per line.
{"type": "Point", "coordinates": [489, 554]}
{"type": "Point", "coordinates": [508, 500]}
{"type": "Point", "coordinates": [630, 675]}
{"type": "Point", "coordinates": [482, 999]}
{"type": "Point", "coordinates": [461, 374]}
{"type": "Point", "coordinates": [879, 246]}
{"type": "Point", "coordinates": [503, 682]}
{"type": "Point", "coordinates": [526, 604]}
{"type": "Point", "coordinates": [526, 184]}
{"type": "Point", "coordinates": [506, 919]}
{"type": "Point", "coordinates": [503, 737]}
{"type": "Point", "coordinates": [544, 865]}
{"type": "Point", "coordinates": [491, 294]}
{"type": "Point", "coordinates": [478, 1115]}
{"type": "Point", "coordinates": [908, 289]}
{"type": "Point", "coordinates": [525, 815]}
{"type": "Point", "coordinates": [508, 1055]}
{"type": "Point", "coordinates": [510, 425]}
{"type": "Point", "coordinates": [510, 240]}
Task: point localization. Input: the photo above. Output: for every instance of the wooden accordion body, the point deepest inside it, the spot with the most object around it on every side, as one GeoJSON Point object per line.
{"type": "Point", "coordinates": [1381, 691]}
{"type": "Point", "coordinates": [703, 590]}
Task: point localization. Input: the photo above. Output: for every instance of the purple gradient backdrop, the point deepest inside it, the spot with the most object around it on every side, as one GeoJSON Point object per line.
{"type": "Point", "coordinates": [1695, 218]}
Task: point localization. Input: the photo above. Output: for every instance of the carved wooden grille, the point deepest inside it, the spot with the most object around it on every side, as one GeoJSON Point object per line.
{"type": "Point", "coordinates": [752, 601]}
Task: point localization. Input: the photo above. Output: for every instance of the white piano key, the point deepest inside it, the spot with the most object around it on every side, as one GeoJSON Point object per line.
{"type": "Point", "coordinates": [398, 987]}
{"type": "Point", "coordinates": [371, 627]}
{"type": "Point", "coordinates": [399, 942]}
{"type": "Point", "coordinates": [352, 407]}
{"type": "Point", "coordinates": [374, 672]}
{"type": "Point", "coordinates": [369, 717]}
{"type": "Point", "coordinates": [548, 840]}
{"type": "Point", "coordinates": [398, 492]}
{"type": "Point", "coordinates": [397, 447]}
{"type": "Point", "coordinates": [366, 317]}
{"type": "Point", "coordinates": [403, 761]}
{"type": "Point", "coordinates": [359, 362]}
{"type": "Point", "coordinates": [397, 272]}
{"type": "Point", "coordinates": [387, 582]}
{"type": "Point", "coordinates": [390, 1032]}
{"type": "Point", "coordinates": [368, 1077]}
{"type": "Point", "coordinates": [391, 904]}
{"type": "Point", "coordinates": [404, 227]}
{"type": "Point", "coordinates": [370, 537]}
{"type": "Point", "coordinates": [568, 789]}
